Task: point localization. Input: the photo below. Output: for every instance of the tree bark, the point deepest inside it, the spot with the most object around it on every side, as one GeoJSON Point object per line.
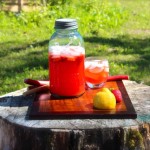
{"type": "Point", "coordinates": [19, 133]}
{"type": "Point", "coordinates": [43, 2]}
{"type": "Point", "coordinates": [20, 5]}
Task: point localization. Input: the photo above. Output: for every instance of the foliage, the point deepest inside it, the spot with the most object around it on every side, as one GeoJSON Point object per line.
{"type": "Point", "coordinates": [92, 16]}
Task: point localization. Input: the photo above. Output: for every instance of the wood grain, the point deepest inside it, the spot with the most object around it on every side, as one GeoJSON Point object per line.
{"type": "Point", "coordinates": [45, 106]}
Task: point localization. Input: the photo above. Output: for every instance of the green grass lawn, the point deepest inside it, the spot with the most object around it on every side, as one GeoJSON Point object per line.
{"type": "Point", "coordinates": [119, 31]}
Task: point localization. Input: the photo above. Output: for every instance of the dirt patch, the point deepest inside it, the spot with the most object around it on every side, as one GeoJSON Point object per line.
{"type": "Point", "coordinates": [19, 5]}
{"type": "Point", "coordinates": [15, 8]}
{"type": "Point", "coordinates": [140, 31]}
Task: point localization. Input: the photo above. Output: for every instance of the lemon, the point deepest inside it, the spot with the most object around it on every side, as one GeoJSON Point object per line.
{"type": "Point", "coordinates": [104, 99]}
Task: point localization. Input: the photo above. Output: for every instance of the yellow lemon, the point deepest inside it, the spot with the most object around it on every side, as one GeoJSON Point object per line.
{"type": "Point", "coordinates": [104, 99]}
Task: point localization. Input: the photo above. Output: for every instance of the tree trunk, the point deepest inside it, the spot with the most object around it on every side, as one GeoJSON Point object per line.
{"type": "Point", "coordinates": [20, 5]}
{"type": "Point", "coordinates": [43, 2]}
{"type": "Point", "coordinates": [19, 133]}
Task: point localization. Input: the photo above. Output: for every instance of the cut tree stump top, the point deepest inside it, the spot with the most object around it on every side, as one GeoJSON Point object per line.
{"type": "Point", "coordinates": [14, 108]}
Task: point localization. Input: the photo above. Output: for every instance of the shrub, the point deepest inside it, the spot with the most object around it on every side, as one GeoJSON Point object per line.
{"type": "Point", "coordinates": [93, 16]}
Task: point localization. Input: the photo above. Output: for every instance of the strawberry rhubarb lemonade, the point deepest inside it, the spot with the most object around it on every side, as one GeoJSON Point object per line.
{"type": "Point", "coordinates": [66, 66]}
{"type": "Point", "coordinates": [96, 72]}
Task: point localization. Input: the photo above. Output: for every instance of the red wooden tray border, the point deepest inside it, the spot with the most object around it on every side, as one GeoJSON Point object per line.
{"type": "Point", "coordinates": [129, 113]}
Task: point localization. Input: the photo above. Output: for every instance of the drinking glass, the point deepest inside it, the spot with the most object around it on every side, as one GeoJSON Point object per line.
{"type": "Point", "coordinates": [96, 71]}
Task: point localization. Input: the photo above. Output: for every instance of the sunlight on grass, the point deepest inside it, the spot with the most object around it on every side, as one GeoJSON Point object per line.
{"type": "Point", "coordinates": [139, 24]}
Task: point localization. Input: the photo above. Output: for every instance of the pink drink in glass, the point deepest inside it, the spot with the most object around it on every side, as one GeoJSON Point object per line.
{"type": "Point", "coordinates": [96, 72]}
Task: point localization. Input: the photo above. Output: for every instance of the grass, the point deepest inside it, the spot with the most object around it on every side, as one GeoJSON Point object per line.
{"type": "Point", "coordinates": [118, 30]}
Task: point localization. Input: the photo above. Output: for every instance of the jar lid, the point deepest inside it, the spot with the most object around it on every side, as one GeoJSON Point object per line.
{"type": "Point", "coordinates": [66, 23]}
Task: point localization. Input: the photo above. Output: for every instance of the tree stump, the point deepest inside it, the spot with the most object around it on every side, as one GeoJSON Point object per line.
{"type": "Point", "coordinates": [19, 133]}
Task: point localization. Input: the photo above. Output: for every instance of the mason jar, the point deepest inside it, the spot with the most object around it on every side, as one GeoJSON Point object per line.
{"type": "Point", "coordinates": [66, 60]}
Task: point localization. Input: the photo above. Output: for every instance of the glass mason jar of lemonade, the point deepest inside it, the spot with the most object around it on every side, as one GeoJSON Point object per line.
{"type": "Point", "coordinates": [66, 60]}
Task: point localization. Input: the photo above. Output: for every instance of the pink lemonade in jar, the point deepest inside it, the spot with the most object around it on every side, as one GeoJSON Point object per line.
{"type": "Point", "coordinates": [66, 66]}
{"type": "Point", "coordinates": [96, 72]}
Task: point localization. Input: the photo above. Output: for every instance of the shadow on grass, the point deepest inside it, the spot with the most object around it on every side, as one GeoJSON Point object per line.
{"type": "Point", "coordinates": [32, 61]}
{"type": "Point", "coordinates": [8, 47]}
{"type": "Point", "coordinates": [129, 46]}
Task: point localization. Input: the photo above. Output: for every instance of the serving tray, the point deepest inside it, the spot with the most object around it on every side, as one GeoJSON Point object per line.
{"type": "Point", "coordinates": [46, 107]}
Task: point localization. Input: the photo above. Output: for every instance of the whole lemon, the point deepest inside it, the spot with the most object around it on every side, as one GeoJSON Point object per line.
{"type": "Point", "coordinates": [104, 99]}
